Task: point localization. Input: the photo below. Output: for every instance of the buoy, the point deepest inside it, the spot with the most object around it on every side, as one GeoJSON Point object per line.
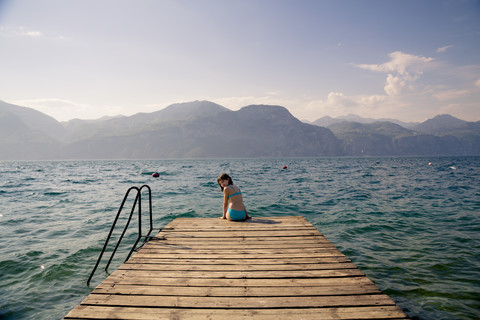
{"type": "Point", "coordinates": [430, 163]}
{"type": "Point", "coordinates": [155, 175]}
{"type": "Point", "coordinates": [284, 167]}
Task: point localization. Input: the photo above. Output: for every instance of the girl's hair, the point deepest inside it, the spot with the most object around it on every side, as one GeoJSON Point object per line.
{"type": "Point", "coordinates": [224, 176]}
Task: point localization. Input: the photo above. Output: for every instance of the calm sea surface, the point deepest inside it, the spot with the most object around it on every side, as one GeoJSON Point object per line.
{"type": "Point", "coordinates": [413, 228]}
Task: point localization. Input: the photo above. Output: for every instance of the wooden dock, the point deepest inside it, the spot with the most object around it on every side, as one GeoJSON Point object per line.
{"type": "Point", "coordinates": [263, 268]}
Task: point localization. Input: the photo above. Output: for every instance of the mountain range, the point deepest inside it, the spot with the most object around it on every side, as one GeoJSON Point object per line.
{"type": "Point", "coordinates": [203, 129]}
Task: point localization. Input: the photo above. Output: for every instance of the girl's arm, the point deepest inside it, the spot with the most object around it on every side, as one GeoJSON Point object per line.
{"type": "Point", "coordinates": [246, 213]}
{"type": "Point", "coordinates": [225, 203]}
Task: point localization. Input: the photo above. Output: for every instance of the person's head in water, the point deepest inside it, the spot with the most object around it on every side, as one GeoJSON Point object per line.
{"type": "Point", "coordinates": [224, 179]}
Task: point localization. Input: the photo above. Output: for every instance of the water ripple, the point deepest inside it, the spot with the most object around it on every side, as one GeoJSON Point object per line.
{"type": "Point", "coordinates": [414, 229]}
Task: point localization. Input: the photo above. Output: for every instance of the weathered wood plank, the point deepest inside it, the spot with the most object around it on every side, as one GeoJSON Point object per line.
{"type": "Point", "coordinates": [236, 302]}
{"type": "Point", "coordinates": [241, 274]}
{"type": "Point", "coordinates": [349, 313]}
{"type": "Point", "coordinates": [241, 233]}
{"type": "Point", "coordinates": [253, 239]}
{"type": "Point", "coordinates": [330, 253]}
{"type": "Point", "coordinates": [267, 268]}
{"type": "Point", "coordinates": [185, 250]}
{"type": "Point", "coordinates": [273, 222]}
{"type": "Point", "coordinates": [235, 291]}
{"type": "Point", "coordinates": [272, 261]}
{"type": "Point", "coordinates": [219, 245]}
{"type": "Point", "coordinates": [248, 267]}
{"type": "Point", "coordinates": [221, 282]}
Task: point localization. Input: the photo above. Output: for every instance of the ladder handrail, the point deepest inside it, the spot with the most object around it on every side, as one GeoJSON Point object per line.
{"type": "Point", "coordinates": [140, 220]}
{"type": "Point", "coordinates": [138, 199]}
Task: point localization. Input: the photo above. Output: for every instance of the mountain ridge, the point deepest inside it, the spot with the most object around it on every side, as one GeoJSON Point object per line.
{"type": "Point", "coordinates": [203, 129]}
{"type": "Point", "coordinates": [326, 121]}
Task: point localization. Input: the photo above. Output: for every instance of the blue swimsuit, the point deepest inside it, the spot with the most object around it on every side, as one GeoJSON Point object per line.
{"type": "Point", "coordinates": [236, 214]}
{"type": "Point", "coordinates": [234, 194]}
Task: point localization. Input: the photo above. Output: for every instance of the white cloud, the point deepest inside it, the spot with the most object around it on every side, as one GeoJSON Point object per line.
{"type": "Point", "coordinates": [339, 100]}
{"type": "Point", "coordinates": [11, 32]}
{"type": "Point", "coordinates": [449, 94]}
{"type": "Point", "coordinates": [35, 34]}
{"type": "Point", "coordinates": [394, 85]}
{"type": "Point", "coordinates": [443, 49]}
{"type": "Point", "coordinates": [371, 101]}
{"type": "Point", "coordinates": [401, 63]}
{"type": "Point", "coordinates": [408, 94]}
{"type": "Point", "coordinates": [401, 69]}
{"type": "Point", "coordinates": [338, 104]}
{"type": "Point", "coordinates": [8, 31]}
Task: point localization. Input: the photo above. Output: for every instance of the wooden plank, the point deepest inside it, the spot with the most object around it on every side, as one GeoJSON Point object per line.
{"type": "Point", "coordinates": [267, 268]}
{"type": "Point", "coordinates": [348, 313]}
{"type": "Point", "coordinates": [215, 245]}
{"type": "Point", "coordinates": [259, 239]}
{"type": "Point", "coordinates": [249, 267]}
{"type": "Point", "coordinates": [235, 302]}
{"type": "Point", "coordinates": [275, 222]}
{"type": "Point", "coordinates": [200, 261]}
{"type": "Point", "coordinates": [235, 291]}
{"type": "Point", "coordinates": [242, 233]}
{"type": "Point", "coordinates": [240, 274]}
{"type": "Point", "coordinates": [237, 248]}
{"type": "Point", "coordinates": [326, 253]}
{"type": "Point", "coordinates": [227, 252]}
{"type": "Point", "coordinates": [248, 282]}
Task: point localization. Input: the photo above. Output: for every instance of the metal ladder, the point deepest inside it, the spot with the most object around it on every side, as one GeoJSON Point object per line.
{"type": "Point", "coordinates": [146, 238]}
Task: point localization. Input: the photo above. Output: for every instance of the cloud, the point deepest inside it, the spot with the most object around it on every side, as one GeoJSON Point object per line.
{"type": "Point", "coordinates": [339, 100]}
{"type": "Point", "coordinates": [443, 49]}
{"type": "Point", "coordinates": [409, 95]}
{"type": "Point", "coordinates": [449, 94]}
{"type": "Point", "coordinates": [338, 104]}
{"type": "Point", "coordinates": [394, 85]}
{"type": "Point", "coordinates": [399, 63]}
{"type": "Point", "coordinates": [401, 69]}
{"type": "Point", "coordinates": [35, 34]}
{"type": "Point", "coordinates": [8, 31]}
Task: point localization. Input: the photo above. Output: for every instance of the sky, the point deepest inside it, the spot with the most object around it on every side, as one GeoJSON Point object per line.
{"type": "Point", "coordinates": [408, 59]}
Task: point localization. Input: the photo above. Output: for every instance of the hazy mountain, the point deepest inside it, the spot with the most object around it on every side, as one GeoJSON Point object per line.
{"type": "Point", "coordinates": [253, 131]}
{"type": "Point", "coordinates": [20, 138]}
{"type": "Point", "coordinates": [33, 119]}
{"type": "Point", "coordinates": [79, 122]}
{"type": "Point", "coordinates": [447, 126]}
{"type": "Point", "coordinates": [386, 138]}
{"type": "Point", "coordinates": [203, 129]}
{"type": "Point", "coordinates": [328, 121]}
{"type": "Point", "coordinates": [440, 124]}
{"type": "Point", "coordinates": [86, 129]}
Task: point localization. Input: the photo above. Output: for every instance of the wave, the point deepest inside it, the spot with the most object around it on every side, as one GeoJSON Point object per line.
{"type": "Point", "coordinates": [407, 225]}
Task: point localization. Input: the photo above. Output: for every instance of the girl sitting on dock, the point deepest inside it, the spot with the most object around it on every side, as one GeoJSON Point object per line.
{"type": "Point", "coordinates": [233, 207]}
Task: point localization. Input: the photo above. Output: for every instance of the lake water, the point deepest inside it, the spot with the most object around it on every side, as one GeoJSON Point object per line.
{"type": "Point", "coordinates": [411, 226]}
